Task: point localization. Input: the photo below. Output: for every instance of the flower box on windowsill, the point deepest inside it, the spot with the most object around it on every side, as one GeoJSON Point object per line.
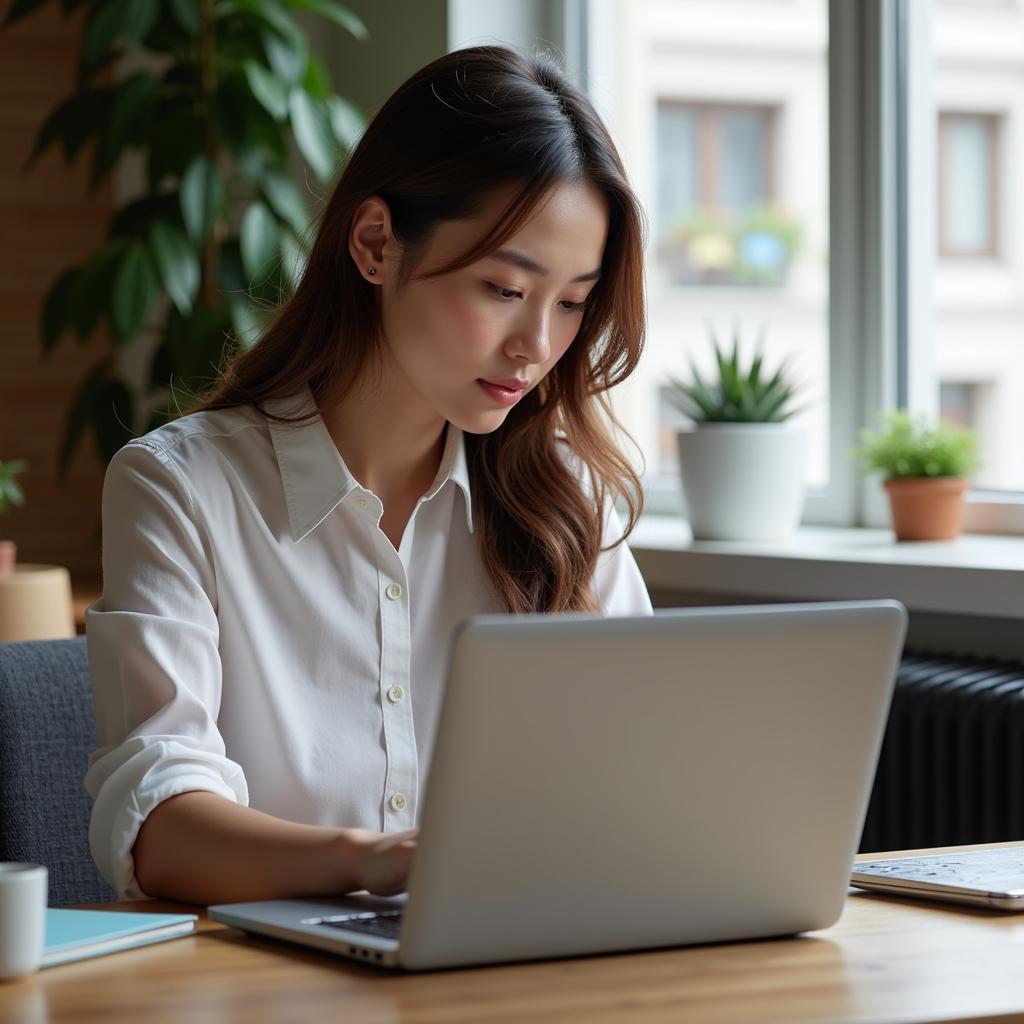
{"type": "Point", "coordinates": [711, 260]}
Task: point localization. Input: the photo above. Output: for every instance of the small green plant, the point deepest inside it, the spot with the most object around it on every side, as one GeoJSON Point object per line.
{"type": "Point", "coordinates": [910, 447]}
{"type": "Point", "coordinates": [10, 492]}
{"type": "Point", "coordinates": [739, 395]}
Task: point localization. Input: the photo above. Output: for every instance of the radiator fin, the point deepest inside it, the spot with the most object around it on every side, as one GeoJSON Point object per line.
{"type": "Point", "coordinates": [952, 761]}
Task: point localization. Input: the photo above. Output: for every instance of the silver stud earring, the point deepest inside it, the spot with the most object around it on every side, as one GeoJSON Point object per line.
{"type": "Point", "coordinates": [371, 271]}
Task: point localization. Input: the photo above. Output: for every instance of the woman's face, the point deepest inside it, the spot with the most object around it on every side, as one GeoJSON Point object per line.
{"type": "Point", "coordinates": [496, 320]}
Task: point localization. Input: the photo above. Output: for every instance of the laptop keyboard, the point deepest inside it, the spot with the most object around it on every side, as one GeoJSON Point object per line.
{"type": "Point", "coordinates": [385, 925]}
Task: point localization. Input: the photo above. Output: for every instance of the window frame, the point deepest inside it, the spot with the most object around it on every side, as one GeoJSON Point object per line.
{"type": "Point", "coordinates": [882, 238]}
{"type": "Point", "coordinates": [909, 24]}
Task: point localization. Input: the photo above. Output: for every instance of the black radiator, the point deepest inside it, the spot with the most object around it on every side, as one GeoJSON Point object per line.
{"type": "Point", "coordinates": [951, 769]}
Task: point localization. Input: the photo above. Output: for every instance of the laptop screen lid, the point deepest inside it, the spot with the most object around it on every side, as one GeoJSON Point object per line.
{"type": "Point", "coordinates": [604, 784]}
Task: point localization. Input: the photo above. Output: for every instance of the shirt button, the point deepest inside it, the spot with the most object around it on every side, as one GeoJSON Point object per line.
{"type": "Point", "coordinates": [394, 591]}
{"type": "Point", "coordinates": [398, 802]}
{"type": "Point", "coordinates": [362, 502]}
{"type": "Point", "coordinates": [395, 694]}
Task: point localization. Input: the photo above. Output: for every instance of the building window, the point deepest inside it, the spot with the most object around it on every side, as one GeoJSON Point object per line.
{"type": "Point", "coordinates": [968, 185]}
{"type": "Point", "coordinates": [717, 221]}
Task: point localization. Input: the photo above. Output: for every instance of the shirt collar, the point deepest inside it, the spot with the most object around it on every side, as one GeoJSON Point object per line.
{"type": "Point", "coordinates": [315, 477]}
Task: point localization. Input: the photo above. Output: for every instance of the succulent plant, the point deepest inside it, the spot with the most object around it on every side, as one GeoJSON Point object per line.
{"type": "Point", "coordinates": [910, 447]}
{"type": "Point", "coordinates": [739, 395]}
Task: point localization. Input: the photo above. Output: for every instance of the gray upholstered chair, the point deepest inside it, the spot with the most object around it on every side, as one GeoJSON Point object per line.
{"type": "Point", "coordinates": [47, 731]}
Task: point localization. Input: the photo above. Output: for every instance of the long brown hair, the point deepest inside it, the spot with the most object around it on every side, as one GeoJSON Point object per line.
{"type": "Point", "coordinates": [470, 121]}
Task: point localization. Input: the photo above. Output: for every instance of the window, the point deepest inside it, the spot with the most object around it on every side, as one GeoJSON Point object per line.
{"type": "Point", "coordinates": [720, 112]}
{"type": "Point", "coordinates": [969, 367]}
{"type": "Point", "coordinates": [968, 185]}
{"type": "Point", "coordinates": [715, 192]}
{"type": "Point", "coordinates": [889, 135]}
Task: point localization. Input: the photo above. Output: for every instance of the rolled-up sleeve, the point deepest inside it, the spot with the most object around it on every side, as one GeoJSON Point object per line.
{"type": "Point", "coordinates": [152, 640]}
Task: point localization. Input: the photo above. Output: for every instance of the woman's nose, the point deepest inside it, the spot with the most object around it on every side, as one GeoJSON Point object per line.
{"type": "Point", "coordinates": [532, 342]}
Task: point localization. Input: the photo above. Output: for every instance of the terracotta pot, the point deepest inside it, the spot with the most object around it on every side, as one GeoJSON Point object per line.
{"type": "Point", "coordinates": [927, 508]}
{"type": "Point", "coordinates": [8, 556]}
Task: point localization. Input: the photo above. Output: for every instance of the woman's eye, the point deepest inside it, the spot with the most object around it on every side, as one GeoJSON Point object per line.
{"type": "Point", "coordinates": [508, 294]}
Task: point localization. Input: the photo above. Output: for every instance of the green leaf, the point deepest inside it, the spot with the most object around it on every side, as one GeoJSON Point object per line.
{"type": "Point", "coordinates": [293, 259]}
{"type": "Point", "coordinates": [177, 263]}
{"type": "Point", "coordinates": [271, 13]}
{"type": "Point", "coordinates": [260, 240]}
{"type": "Point", "coordinates": [112, 417]}
{"type": "Point", "coordinates": [346, 121]}
{"type": "Point", "coordinates": [75, 120]}
{"type": "Point", "coordinates": [270, 91]}
{"type": "Point", "coordinates": [90, 293]}
{"type": "Point", "coordinates": [202, 193]}
{"type": "Point", "coordinates": [187, 14]}
{"type": "Point", "coordinates": [56, 308]}
{"type": "Point", "coordinates": [287, 61]}
{"type": "Point", "coordinates": [316, 80]}
{"type": "Point", "coordinates": [19, 9]}
{"type": "Point", "coordinates": [135, 289]}
{"type": "Point", "coordinates": [172, 147]}
{"type": "Point", "coordinates": [285, 199]}
{"type": "Point", "coordinates": [246, 323]}
{"type": "Point", "coordinates": [313, 133]}
{"type": "Point", "coordinates": [102, 28]}
{"type": "Point", "coordinates": [132, 221]}
{"type": "Point", "coordinates": [132, 105]}
{"type": "Point", "coordinates": [80, 412]}
{"type": "Point", "coordinates": [335, 12]}
{"type": "Point", "coordinates": [140, 16]}
{"type": "Point", "coordinates": [230, 272]}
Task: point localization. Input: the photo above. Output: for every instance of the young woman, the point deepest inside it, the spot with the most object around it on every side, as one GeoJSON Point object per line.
{"type": "Point", "coordinates": [422, 434]}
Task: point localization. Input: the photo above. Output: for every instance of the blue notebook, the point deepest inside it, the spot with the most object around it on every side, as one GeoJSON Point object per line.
{"type": "Point", "coordinates": [78, 934]}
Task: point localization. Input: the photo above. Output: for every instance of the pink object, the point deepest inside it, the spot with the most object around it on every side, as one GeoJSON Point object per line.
{"type": "Point", "coordinates": [8, 556]}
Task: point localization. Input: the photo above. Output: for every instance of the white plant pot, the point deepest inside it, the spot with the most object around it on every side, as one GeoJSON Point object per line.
{"type": "Point", "coordinates": [743, 481]}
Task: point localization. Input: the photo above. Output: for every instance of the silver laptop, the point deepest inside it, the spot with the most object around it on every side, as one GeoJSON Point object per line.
{"type": "Point", "coordinates": [611, 784]}
{"type": "Point", "coordinates": [987, 878]}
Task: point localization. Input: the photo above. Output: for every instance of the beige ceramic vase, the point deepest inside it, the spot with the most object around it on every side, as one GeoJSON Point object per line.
{"type": "Point", "coordinates": [35, 601]}
{"type": "Point", "coordinates": [927, 508]}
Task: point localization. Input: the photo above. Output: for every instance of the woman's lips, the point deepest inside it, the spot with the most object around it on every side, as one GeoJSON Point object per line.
{"type": "Point", "coordinates": [502, 395]}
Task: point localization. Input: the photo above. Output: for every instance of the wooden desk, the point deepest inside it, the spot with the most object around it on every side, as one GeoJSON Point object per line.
{"type": "Point", "coordinates": [885, 960]}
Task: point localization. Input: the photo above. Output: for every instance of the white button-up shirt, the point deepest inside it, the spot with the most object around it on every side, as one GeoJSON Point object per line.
{"type": "Point", "coordinates": [259, 637]}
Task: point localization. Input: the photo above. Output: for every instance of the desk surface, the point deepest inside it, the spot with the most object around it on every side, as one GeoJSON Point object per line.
{"type": "Point", "coordinates": [885, 960]}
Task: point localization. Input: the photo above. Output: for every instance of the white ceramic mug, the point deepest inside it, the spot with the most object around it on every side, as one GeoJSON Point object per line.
{"type": "Point", "coordinates": [23, 895]}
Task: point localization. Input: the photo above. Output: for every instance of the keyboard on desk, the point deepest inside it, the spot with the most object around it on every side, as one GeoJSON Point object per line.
{"type": "Point", "coordinates": [385, 925]}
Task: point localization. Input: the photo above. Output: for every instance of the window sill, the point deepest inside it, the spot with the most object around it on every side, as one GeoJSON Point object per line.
{"type": "Point", "coordinates": [976, 574]}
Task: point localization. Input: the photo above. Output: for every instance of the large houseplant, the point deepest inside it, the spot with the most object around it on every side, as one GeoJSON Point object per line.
{"type": "Point", "coordinates": [742, 463]}
{"type": "Point", "coordinates": [926, 472]}
{"type": "Point", "coordinates": [220, 232]}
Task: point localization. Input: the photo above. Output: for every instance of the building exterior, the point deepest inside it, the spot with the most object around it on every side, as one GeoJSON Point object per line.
{"type": "Point", "coordinates": [720, 108]}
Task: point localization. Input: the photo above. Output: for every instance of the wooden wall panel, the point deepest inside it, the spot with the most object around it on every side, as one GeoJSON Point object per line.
{"type": "Point", "coordinates": [47, 221]}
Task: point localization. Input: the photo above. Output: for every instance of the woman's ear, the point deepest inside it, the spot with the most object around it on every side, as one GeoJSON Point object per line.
{"type": "Point", "coordinates": [369, 238]}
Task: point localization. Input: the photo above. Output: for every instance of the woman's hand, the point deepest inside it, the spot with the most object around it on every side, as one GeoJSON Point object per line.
{"type": "Point", "coordinates": [381, 859]}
